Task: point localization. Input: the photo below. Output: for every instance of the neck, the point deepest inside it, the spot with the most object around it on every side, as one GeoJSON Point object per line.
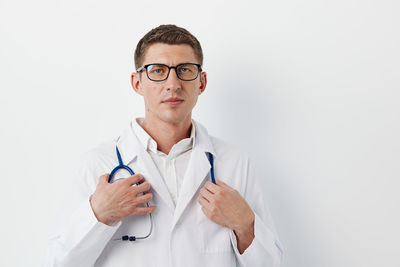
{"type": "Point", "coordinates": [167, 134]}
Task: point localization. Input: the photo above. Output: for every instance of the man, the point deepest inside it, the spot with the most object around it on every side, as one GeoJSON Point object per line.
{"type": "Point", "coordinates": [189, 221]}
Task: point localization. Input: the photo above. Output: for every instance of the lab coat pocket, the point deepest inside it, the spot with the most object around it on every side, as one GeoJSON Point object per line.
{"type": "Point", "coordinates": [214, 238]}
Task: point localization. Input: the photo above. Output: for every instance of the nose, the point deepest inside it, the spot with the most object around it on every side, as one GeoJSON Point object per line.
{"type": "Point", "coordinates": [173, 82]}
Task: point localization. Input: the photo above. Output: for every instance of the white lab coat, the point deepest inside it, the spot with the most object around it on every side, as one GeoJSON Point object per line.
{"type": "Point", "coordinates": [182, 236]}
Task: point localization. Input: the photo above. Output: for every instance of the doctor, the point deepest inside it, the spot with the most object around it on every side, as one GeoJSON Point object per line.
{"type": "Point", "coordinates": [189, 220]}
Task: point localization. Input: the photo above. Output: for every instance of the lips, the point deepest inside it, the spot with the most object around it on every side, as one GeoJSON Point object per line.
{"type": "Point", "coordinates": [172, 101]}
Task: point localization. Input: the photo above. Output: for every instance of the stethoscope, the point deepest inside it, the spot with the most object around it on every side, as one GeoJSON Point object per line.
{"type": "Point", "coordinates": [131, 172]}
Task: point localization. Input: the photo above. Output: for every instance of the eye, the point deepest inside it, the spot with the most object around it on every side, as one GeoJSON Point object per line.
{"type": "Point", "coordinates": [186, 70]}
{"type": "Point", "coordinates": [157, 70]}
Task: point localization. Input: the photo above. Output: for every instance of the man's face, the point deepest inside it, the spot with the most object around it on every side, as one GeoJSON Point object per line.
{"type": "Point", "coordinates": [158, 95]}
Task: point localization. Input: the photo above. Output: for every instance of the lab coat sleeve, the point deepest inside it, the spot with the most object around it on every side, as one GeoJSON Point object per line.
{"type": "Point", "coordinates": [78, 238]}
{"type": "Point", "coordinates": [266, 249]}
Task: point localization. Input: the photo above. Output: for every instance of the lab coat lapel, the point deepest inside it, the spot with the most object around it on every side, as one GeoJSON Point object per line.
{"type": "Point", "coordinates": [196, 172]}
{"type": "Point", "coordinates": [152, 175]}
{"type": "Point", "coordinates": [131, 149]}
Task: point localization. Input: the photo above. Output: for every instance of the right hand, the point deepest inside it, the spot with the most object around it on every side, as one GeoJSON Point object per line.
{"type": "Point", "coordinates": [113, 202]}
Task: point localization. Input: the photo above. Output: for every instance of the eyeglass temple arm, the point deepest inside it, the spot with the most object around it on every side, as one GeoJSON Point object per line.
{"type": "Point", "coordinates": [140, 68]}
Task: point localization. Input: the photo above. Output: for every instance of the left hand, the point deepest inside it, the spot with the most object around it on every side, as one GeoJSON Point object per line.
{"type": "Point", "coordinates": [225, 206]}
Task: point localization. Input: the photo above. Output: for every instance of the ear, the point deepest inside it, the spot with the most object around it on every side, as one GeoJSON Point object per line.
{"type": "Point", "coordinates": [203, 82]}
{"type": "Point", "coordinates": [136, 83]}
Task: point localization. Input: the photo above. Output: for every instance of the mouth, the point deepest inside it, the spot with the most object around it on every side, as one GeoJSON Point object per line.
{"type": "Point", "coordinates": [173, 101]}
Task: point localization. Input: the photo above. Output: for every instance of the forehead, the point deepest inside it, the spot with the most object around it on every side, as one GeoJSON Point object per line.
{"type": "Point", "coordinates": [169, 54]}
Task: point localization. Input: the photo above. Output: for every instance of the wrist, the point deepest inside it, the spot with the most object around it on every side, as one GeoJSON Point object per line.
{"type": "Point", "coordinates": [97, 214]}
{"type": "Point", "coordinates": [245, 234]}
{"type": "Point", "coordinates": [247, 226]}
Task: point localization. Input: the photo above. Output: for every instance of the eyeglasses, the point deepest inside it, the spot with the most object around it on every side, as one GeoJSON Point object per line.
{"type": "Point", "coordinates": [160, 72]}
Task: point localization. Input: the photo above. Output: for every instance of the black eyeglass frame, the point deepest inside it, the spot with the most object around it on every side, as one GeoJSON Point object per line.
{"type": "Point", "coordinates": [169, 70]}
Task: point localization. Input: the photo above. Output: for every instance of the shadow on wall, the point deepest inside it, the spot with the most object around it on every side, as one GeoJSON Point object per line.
{"type": "Point", "coordinates": [254, 116]}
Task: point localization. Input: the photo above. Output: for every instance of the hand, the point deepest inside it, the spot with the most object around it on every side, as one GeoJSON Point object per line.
{"type": "Point", "coordinates": [225, 206]}
{"type": "Point", "coordinates": [113, 202]}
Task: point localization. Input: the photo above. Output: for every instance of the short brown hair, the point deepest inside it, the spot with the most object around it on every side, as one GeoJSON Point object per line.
{"type": "Point", "coordinates": [167, 34]}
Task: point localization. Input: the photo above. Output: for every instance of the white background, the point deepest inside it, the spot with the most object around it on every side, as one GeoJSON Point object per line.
{"type": "Point", "coordinates": [310, 89]}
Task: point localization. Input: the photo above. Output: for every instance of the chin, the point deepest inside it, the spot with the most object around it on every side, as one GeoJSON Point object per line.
{"type": "Point", "coordinates": [173, 118]}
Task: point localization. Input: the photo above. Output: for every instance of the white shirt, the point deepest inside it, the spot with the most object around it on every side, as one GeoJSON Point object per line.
{"type": "Point", "coordinates": [172, 167]}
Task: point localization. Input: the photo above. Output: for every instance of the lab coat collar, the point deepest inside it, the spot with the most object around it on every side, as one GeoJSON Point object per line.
{"type": "Point", "coordinates": [202, 140]}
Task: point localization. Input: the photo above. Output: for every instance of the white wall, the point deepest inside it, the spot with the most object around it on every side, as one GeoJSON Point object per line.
{"type": "Point", "coordinates": [309, 88]}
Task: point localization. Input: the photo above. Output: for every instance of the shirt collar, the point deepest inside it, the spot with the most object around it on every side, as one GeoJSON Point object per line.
{"type": "Point", "coordinates": [130, 145]}
{"type": "Point", "coordinates": [151, 145]}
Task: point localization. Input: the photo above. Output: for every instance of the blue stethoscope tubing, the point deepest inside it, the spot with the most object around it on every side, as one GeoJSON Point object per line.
{"type": "Point", "coordinates": [121, 165]}
{"type": "Point", "coordinates": [211, 159]}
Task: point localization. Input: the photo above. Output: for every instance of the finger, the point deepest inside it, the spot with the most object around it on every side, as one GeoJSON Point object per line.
{"type": "Point", "coordinates": [204, 202]}
{"type": "Point", "coordinates": [222, 184]}
{"type": "Point", "coordinates": [206, 194]}
{"type": "Point", "coordinates": [134, 179]}
{"type": "Point", "coordinates": [145, 210]}
{"type": "Point", "coordinates": [143, 187]}
{"type": "Point", "coordinates": [144, 198]}
{"type": "Point", "coordinates": [213, 188]}
{"type": "Point", "coordinates": [104, 178]}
